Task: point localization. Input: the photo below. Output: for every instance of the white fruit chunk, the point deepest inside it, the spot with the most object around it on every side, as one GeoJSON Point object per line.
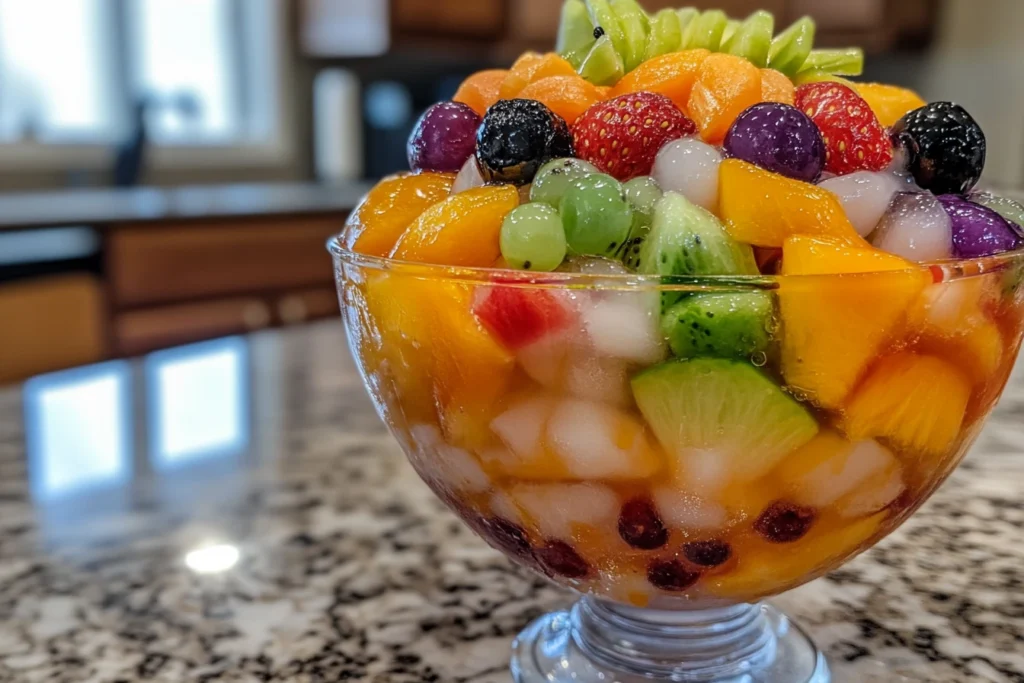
{"type": "Point", "coordinates": [690, 167]}
{"type": "Point", "coordinates": [917, 228]}
{"type": "Point", "coordinates": [865, 196]}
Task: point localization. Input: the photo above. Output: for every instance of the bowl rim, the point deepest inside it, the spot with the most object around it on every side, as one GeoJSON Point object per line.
{"type": "Point", "coordinates": [940, 271]}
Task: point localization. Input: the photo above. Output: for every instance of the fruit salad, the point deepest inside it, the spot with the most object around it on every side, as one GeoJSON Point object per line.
{"type": "Point", "coordinates": [679, 314]}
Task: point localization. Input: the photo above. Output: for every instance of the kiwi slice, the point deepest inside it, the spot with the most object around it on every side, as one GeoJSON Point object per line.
{"type": "Point", "coordinates": [666, 34]}
{"type": "Point", "coordinates": [636, 28]}
{"type": "Point", "coordinates": [845, 62]}
{"type": "Point", "coordinates": [753, 39]}
{"type": "Point", "coordinates": [575, 32]}
{"type": "Point", "coordinates": [723, 325]}
{"type": "Point", "coordinates": [686, 240]}
{"type": "Point", "coordinates": [602, 65]}
{"type": "Point", "coordinates": [706, 31]}
{"type": "Point", "coordinates": [790, 49]}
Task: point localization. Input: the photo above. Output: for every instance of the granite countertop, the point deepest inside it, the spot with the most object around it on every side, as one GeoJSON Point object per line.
{"type": "Point", "coordinates": [348, 569]}
{"type": "Point", "coordinates": [104, 207]}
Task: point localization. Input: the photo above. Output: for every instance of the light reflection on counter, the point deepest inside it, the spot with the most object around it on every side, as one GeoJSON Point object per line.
{"type": "Point", "coordinates": [78, 431]}
{"type": "Point", "coordinates": [108, 445]}
{"type": "Point", "coordinates": [198, 402]}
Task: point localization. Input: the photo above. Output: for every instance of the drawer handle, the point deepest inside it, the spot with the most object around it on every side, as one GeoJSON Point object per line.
{"type": "Point", "coordinates": [292, 310]}
{"type": "Point", "coordinates": [256, 315]}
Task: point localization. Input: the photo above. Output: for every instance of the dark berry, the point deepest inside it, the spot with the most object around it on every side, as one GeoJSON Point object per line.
{"type": "Point", "coordinates": [671, 575]}
{"type": "Point", "coordinates": [444, 138]}
{"type": "Point", "coordinates": [778, 138]}
{"type": "Point", "coordinates": [944, 146]}
{"type": "Point", "coordinates": [507, 537]}
{"type": "Point", "coordinates": [517, 137]}
{"type": "Point", "coordinates": [707, 553]}
{"type": "Point", "coordinates": [640, 526]}
{"type": "Point", "coordinates": [978, 230]}
{"type": "Point", "coordinates": [784, 522]}
{"type": "Point", "coordinates": [561, 559]}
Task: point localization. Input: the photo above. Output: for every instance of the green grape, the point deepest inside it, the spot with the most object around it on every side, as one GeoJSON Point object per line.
{"type": "Point", "coordinates": [642, 194]}
{"type": "Point", "coordinates": [553, 179]}
{"type": "Point", "coordinates": [532, 238]}
{"type": "Point", "coordinates": [596, 216]}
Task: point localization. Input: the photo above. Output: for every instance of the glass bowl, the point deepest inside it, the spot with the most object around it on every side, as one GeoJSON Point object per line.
{"type": "Point", "coordinates": [551, 413]}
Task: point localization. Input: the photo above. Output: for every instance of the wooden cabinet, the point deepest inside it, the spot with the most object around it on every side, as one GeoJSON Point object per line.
{"type": "Point", "coordinates": [52, 323]}
{"type": "Point", "coordinates": [478, 19]}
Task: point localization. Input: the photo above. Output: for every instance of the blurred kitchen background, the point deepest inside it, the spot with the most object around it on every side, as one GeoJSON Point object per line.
{"type": "Point", "coordinates": [170, 169]}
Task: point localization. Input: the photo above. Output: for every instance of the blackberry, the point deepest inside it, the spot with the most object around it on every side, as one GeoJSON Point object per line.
{"type": "Point", "coordinates": [517, 137]}
{"type": "Point", "coordinates": [944, 147]}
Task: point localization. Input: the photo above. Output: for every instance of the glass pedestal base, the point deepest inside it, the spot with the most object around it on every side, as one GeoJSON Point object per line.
{"type": "Point", "coordinates": [607, 643]}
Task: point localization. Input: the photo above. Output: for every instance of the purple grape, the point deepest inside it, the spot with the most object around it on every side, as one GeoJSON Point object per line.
{"type": "Point", "coordinates": [978, 230]}
{"type": "Point", "coordinates": [778, 138]}
{"type": "Point", "coordinates": [444, 137]}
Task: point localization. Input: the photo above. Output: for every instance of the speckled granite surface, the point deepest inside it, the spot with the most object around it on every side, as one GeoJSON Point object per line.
{"type": "Point", "coordinates": [350, 570]}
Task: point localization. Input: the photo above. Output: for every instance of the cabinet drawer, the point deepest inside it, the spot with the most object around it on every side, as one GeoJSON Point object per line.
{"type": "Point", "coordinates": [178, 262]}
{"type": "Point", "coordinates": [476, 19]}
{"type": "Point", "coordinates": [138, 332]}
{"type": "Point", "coordinates": [51, 324]}
{"type": "Point", "coordinates": [311, 304]}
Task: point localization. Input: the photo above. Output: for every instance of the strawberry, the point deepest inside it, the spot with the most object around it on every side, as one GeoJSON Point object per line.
{"type": "Point", "coordinates": [517, 316]}
{"type": "Point", "coordinates": [622, 136]}
{"type": "Point", "coordinates": [854, 138]}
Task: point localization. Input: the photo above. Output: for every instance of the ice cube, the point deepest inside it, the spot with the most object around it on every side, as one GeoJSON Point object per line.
{"type": "Point", "coordinates": [915, 227]}
{"type": "Point", "coordinates": [521, 427]}
{"type": "Point", "coordinates": [459, 470]}
{"type": "Point", "coordinates": [690, 167]}
{"type": "Point", "coordinates": [865, 196]}
{"type": "Point", "coordinates": [595, 441]}
{"type": "Point", "coordinates": [558, 510]}
{"type": "Point", "coordinates": [625, 328]}
{"type": "Point", "coordinates": [873, 495]}
{"type": "Point", "coordinates": [846, 471]}
{"type": "Point", "coordinates": [687, 511]}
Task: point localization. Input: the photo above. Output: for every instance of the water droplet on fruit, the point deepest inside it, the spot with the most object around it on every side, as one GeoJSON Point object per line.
{"type": "Point", "coordinates": [759, 359]}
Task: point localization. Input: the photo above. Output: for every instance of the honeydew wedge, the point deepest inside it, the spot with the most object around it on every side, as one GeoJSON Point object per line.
{"type": "Point", "coordinates": [602, 65]}
{"type": "Point", "coordinates": [666, 34]}
{"type": "Point", "coordinates": [636, 29]}
{"type": "Point", "coordinates": [752, 38]}
{"type": "Point", "coordinates": [575, 32]}
{"type": "Point", "coordinates": [705, 31]}
{"type": "Point", "coordinates": [791, 48]}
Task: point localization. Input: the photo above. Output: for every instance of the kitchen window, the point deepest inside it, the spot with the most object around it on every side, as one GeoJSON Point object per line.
{"type": "Point", "coordinates": [77, 75]}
